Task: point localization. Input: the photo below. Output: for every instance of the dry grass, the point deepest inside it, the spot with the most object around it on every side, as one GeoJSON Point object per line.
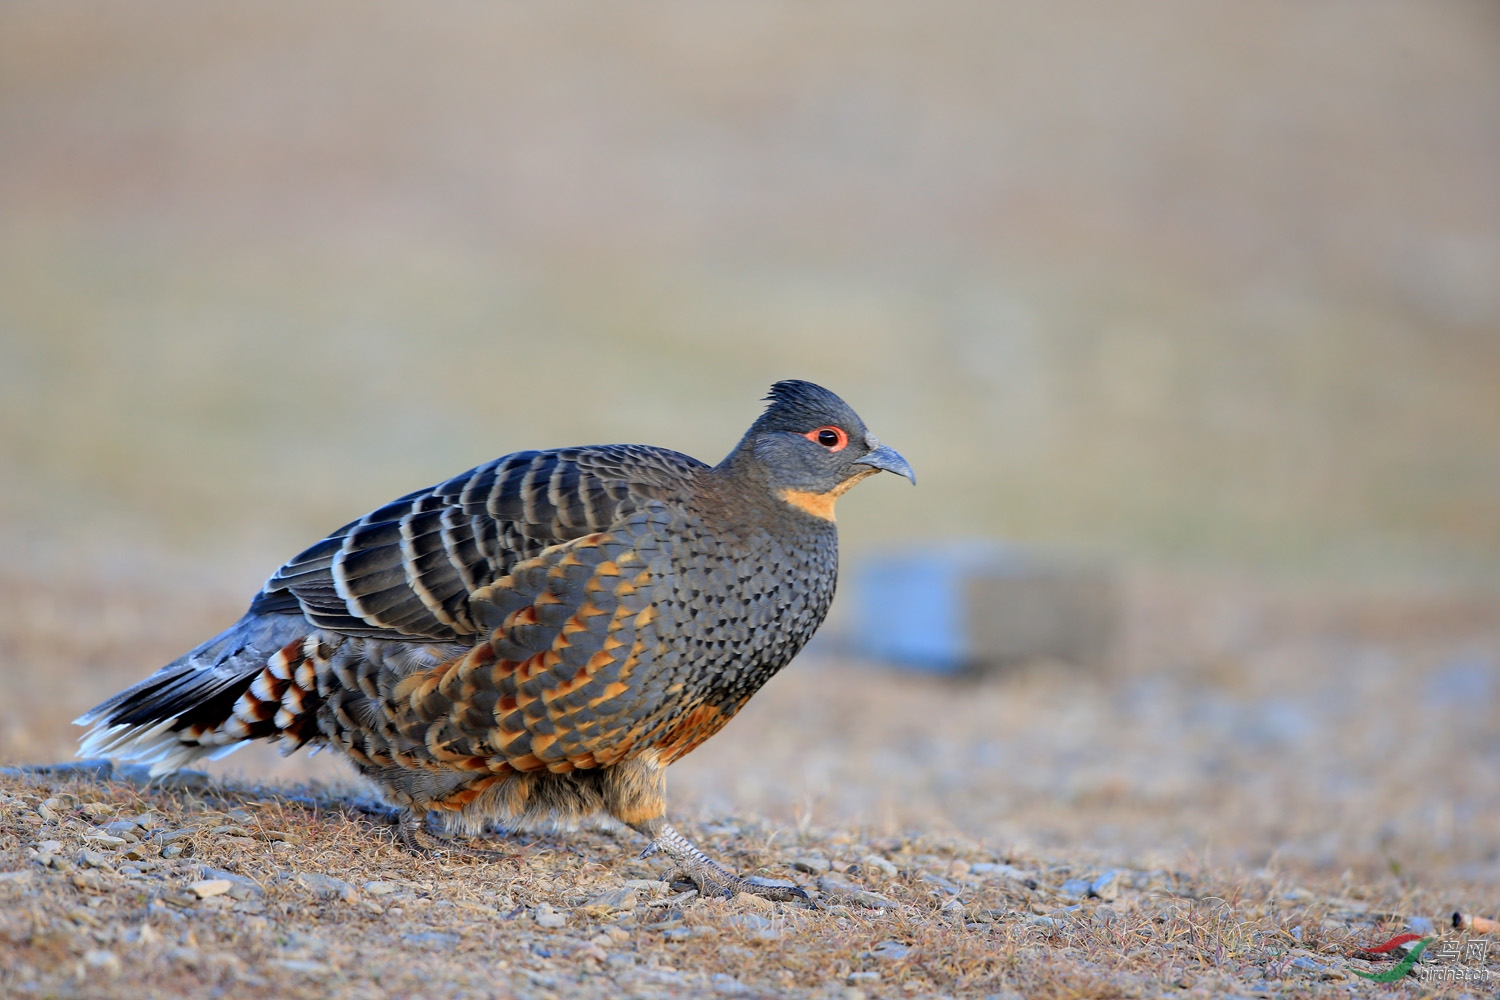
{"type": "Point", "coordinates": [1281, 779]}
{"type": "Point", "coordinates": [395, 925]}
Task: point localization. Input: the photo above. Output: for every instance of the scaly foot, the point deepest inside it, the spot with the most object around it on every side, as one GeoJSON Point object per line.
{"type": "Point", "coordinates": [712, 878]}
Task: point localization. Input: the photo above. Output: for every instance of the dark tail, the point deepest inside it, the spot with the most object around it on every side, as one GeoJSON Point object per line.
{"type": "Point", "coordinates": [185, 710]}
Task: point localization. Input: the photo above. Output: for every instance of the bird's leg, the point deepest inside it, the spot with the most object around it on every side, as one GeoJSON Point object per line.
{"type": "Point", "coordinates": [634, 793]}
{"type": "Point", "coordinates": [712, 878]}
{"type": "Point", "coordinates": [412, 829]}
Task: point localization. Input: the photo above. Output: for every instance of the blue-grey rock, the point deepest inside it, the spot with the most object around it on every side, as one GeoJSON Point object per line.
{"type": "Point", "coordinates": [950, 608]}
{"type": "Point", "coordinates": [1076, 888]}
{"type": "Point", "coordinates": [889, 951]}
{"type": "Point", "coordinates": [1107, 886]}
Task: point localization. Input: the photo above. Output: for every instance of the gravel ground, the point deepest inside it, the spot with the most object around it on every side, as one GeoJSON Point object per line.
{"type": "Point", "coordinates": [112, 889]}
{"type": "Point", "coordinates": [1267, 783]}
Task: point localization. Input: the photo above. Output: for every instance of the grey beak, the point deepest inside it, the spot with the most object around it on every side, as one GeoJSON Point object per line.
{"type": "Point", "coordinates": [887, 459]}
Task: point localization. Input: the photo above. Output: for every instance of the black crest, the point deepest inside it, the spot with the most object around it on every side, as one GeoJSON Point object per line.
{"type": "Point", "coordinates": [794, 405]}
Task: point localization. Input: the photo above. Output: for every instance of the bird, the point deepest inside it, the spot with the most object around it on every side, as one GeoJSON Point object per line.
{"type": "Point", "coordinates": [532, 642]}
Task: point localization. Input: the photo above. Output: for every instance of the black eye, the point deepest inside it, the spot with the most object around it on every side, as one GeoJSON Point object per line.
{"type": "Point", "coordinates": [832, 438]}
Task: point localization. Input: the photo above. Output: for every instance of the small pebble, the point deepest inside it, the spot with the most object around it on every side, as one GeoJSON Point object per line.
{"type": "Point", "coordinates": [326, 886]}
{"type": "Point", "coordinates": [879, 864]}
{"type": "Point", "coordinates": [1107, 886]}
{"type": "Point", "coordinates": [240, 887]}
{"type": "Point", "coordinates": [142, 935]}
{"type": "Point", "coordinates": [546, 916]}
{"type": "Point", "coordinates": [1011, 872]}
{"type": "Point", "coordinates": [812, 865]}
{"type": "Point", "coordinates": [942, 884]}
{"type": "Point", "coordinates": [750, 901]}
{"type": "Point", "coordinates": [101, 962]}
{"type": "Point", "coordinates": [613, 901]}
{"type": "Point", "coordinates": [104, 840]}
{"type": "Point", "coordinates": [305, 967]}
{"type": "Point", "coordinates": [844, 891]}
{"type": "Point", "coordinates": [95, 859]}
{"type": "Point", "coordinates": [836, 884]}
{"type": "Point", "coordinates": [87, 880]}
{"type": "Point", "coordinates": [435, 940]}
{"type": "Point", "coordinates": [889, 951]}
{"type": "Point", "coordinates": [873, 900]}
{"type": "Point", "coordinates": [1075, 888]}
{"type": "Point", "coordinates": [210, 887]}
{"type": "Point", "coordinates": [755, 926]}
{"type": "Point", "coordinates": [189, 957]}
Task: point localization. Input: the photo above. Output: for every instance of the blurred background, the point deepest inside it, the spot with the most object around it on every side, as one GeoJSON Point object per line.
{"type": "Point", "coordinates": [1208, 292]}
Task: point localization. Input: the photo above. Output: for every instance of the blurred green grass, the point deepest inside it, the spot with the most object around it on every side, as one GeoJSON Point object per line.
{"type": "Point", "coordinates": [1206, 285]}
{"type": "Point", "coordinates": [192, 403]}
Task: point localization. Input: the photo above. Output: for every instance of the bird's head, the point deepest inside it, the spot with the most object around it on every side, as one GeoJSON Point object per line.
{"type": "Point", "coordinates": [809, 447]}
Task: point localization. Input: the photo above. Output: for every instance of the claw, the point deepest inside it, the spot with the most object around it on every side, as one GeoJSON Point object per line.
{"type": "Point", "coordinates": [712, 879]}
{"type": "Point", "coordinates": [781, 892]}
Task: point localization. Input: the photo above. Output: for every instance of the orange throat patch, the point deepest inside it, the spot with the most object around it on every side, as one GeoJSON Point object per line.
{"type": "Point", "coordinates": [820, 505]}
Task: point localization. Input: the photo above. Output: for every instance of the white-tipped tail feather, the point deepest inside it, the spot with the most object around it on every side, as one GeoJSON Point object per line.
{"type": "Point", "coordinates": [155, 745]}
{"type": "Point", "coordinates": [187, 710]}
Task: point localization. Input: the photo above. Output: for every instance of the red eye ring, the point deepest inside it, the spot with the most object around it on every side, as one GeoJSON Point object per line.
{"type": "Point", "coordinates": [830, 437]}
